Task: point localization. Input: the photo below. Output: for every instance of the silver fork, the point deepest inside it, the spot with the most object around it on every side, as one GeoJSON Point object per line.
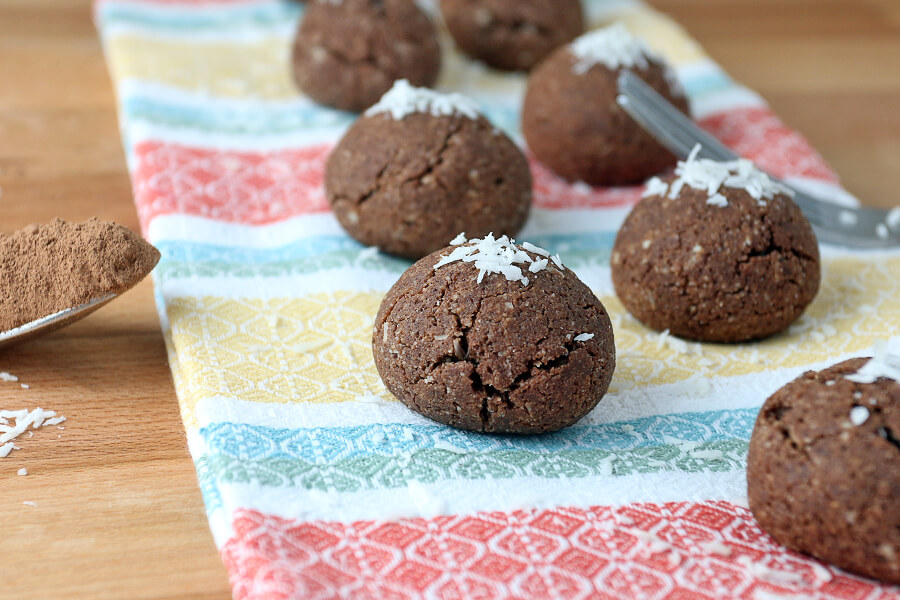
{"type": "Point", "coordinates": [854, 227]}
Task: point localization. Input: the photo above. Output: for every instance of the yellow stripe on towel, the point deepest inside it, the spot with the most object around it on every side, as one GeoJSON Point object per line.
{"type": "Point", "coordinates": [250, 69]}
{"type": "Point", "coordinates": [317, 348]}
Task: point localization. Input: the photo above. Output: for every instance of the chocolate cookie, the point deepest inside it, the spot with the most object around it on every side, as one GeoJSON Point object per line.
{"type": "Point", "coordinates": [513, 35]}
{"type": "Point", "coordinates": [420, 167]}
{"type": "Point", "coordinates": [348, 53]}
{"type": "Point", "coordinates": [493, 337]}
{"type": "Point", "coordinates": [718, 252]}
{"type": "Point", "coordinates": [572, 122]}
{"type": "Point", "coordinates": [823, 471]}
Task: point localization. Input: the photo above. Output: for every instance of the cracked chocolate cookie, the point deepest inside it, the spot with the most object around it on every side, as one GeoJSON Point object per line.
{"type": "Point", "coordinates": [513, 35]}
{"type": "Point", "coordinates": [494, 337]}
{"type": "Point", "coordinates": [420, 167]}
{"type": "Point", "coordinates": [572, 122]}
{"type": "Point", "coordinates": [717, 253]}
{"type": "Point", "coordinates": [348, 53]}
{"type": "Point", "coordinates": [823, 470]}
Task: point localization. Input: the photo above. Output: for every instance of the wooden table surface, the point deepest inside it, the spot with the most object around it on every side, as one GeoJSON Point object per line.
{"type": "Point", "coordinates": [119, 514]}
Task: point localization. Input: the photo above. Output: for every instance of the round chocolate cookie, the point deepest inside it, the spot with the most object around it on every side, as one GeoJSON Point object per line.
{"type": "Point", "coordinates": [572, 122]}
{"type": "Point", "coordinates": [420, 167]}
{"type": "Point", "coordinates": [716, 253]}
{"type": "Point", "coordinates": [510, 343]}
{"type": "Point", "coordinates": [513, 35]}
{"type": "Point", "coordinates": [348, 53]}
{"type": "Point", "coordinates": [823, 470]}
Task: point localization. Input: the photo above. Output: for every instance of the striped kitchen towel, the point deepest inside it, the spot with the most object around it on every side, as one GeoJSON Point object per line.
{"type": "Point", "coordinates": [318, 483]}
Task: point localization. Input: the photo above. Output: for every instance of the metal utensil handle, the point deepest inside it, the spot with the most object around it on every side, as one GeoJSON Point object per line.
{"type": "Point", "coordinates": [855, 227]}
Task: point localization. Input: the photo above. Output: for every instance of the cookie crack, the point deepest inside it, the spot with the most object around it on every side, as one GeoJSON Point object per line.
{"type": "Point", "coordinates": [485, 414]}
{"type": "Point", "coordinates": [478, 385]}
{"type": "Point", "coordinates": [536, 366]}
{"type": "Point", "coordinates": [772, 247]}
{"type": "Point", "coordinates": [888, 435]}
{"type": "Point", "coordinates": [376, 187]}
{"type": "Point", "coordinates": [432, 166]}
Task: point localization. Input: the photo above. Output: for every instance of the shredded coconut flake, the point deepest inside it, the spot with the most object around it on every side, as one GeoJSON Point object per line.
{"type": "Point", "coordinates": [821, 573]}
{"type": "Point", "coordinates": [665, 340]}
{"type": "Point", "coordinates": [772, 575]}
{"type": "Point", "coordinates": [583, 337]}
{"type": "Point", "coordinates": [538, 266]}
{"type": "Point", "coordinates": [534, 249]}
{"type": "Point", "coordinates": [581, 188]}
{"type": "Point", "coordinates": [22, 472]}
{"type": "Point", "coordinates": [715, 547]}
{"type": "Point", "coordinates": [707, 454]}
{"type": "Point", "coordinates": [885, 363]}
{"type": "Point", "coordinates": [448, 447]}
{"type": "Point", "coordinates": [367, 253]}
{"type": "Point", "coordinates": [459, 240]}
{"type": "Point", "coordinates": [712, 176]}
{"type": "Point", "coordinates": [491, 255]}
{"type": "Point", "coordinates": [31, 503]}
{"type": "Point", "coordinates": [893, 218]}
{"type": "Point", "coordinates": [404, 99]}
{"type": "Point", "coordinates": [717, 200]}
{"type": "Point", "coordinates": [655, 187]}
{"type": "Point", "coordinates": [848, 218]}
{"type": "Point", "coordinates": [4, 376]}
{"type": "Point", "coordinates": [612, 46]}
{"type": "Point", "coordinates": [859, 415]}
{"type": "Point", "coordinates": [23, 419]}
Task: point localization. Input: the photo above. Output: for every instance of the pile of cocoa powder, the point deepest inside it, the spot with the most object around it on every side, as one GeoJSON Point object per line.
{"type": "Point", "coordinates": [47, 268]}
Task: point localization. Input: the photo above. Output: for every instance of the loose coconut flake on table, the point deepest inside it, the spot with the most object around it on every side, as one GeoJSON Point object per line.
{"type": "Point", "coordinates": [497, 255]}
{"type": "Point", "coordinates": [711, 176]}
{"type": "Point", "coordinates": [24, 418]}
{"type": "Point", "coordinates": [404, 99]}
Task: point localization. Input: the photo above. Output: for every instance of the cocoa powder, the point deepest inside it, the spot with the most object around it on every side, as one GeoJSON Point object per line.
{"type": "Point", "coordinates": [47, 268]}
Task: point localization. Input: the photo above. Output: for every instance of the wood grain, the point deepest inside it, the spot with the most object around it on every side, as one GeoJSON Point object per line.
{"type": "Point", "coordinates": [118, 513]}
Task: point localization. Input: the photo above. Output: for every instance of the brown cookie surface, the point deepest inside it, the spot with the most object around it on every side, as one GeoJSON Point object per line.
{"type": "Point", "coordinates": [825, 481]}
{"type": "Point", "coordinates": [573, 124]}
{"type": "Point", "coordinates": [496, 356]}
{"type": "Point", "coordinates": [716, 273]}
{"type": "Point", "coordinates": [513, 35]}
{"type": "Point", "coordinates": [409, 186]}
{"type": "Point", "coordinates": [348, 53]}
